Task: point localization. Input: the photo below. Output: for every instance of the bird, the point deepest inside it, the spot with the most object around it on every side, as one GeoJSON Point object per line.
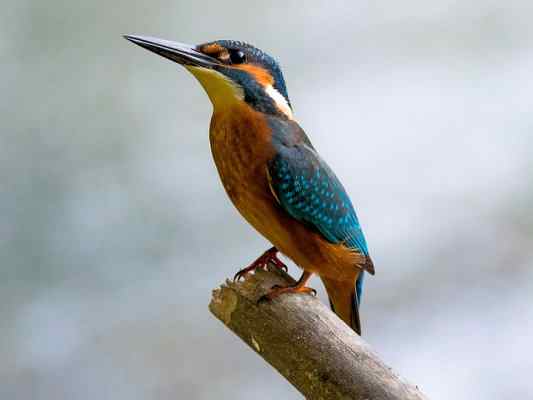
{"type": "Point", "coordinates": [273, 174]}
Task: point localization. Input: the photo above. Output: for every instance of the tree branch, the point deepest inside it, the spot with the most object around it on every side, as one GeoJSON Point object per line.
{"type": "Point", "coordinates": [306, 343]}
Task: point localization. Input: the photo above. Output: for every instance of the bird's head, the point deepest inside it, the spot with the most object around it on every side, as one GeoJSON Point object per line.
{"type": "Point", "coordinates": [230, 72]}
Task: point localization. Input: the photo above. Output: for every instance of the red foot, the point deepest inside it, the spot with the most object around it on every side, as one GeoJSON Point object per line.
{"type": "Point", "coordinates": [279, 290]}
{"type": "Point", "coordinates": [269, 256]}
{"type": "Point", "coordinates": [298, 287]}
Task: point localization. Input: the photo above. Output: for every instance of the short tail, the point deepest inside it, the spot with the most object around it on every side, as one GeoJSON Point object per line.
{"type": "Point", "coordinates": [344, 298]}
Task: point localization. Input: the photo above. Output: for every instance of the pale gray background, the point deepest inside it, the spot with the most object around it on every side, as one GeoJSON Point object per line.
{"type": "Point", "coordinates": [114, 227]}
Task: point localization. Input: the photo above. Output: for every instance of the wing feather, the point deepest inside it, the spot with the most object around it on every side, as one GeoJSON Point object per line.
{"type": "Point", "coordinates": [309, 191]}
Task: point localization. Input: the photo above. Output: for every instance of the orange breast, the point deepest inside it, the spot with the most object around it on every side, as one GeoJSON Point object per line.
{"type": "Point", "coordinates": [240, 143]}
{"type": "Point", "coordinates": [241, 147]}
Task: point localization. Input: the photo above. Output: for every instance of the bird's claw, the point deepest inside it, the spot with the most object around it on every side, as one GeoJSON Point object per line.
{"type": "Point", "coordinates": [278, 290]}
{"type": "Point", "coordinates": [278, 263]}
{"type": "Point", "coordinates": [269, 256]}
{"type": "Point", "coordinates": [243, 273]}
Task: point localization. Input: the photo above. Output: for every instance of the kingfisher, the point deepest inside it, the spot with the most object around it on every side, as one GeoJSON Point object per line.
{"type": "Point", "coordinates": [273, 174]}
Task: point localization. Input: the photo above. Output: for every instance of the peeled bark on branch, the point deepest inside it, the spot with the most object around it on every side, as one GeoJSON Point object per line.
{"type": "Point", "coordinates": [306, 343]}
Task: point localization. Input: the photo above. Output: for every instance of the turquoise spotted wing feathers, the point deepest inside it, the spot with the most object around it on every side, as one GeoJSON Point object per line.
{"type": "Point", "coordinates": [310, 192]}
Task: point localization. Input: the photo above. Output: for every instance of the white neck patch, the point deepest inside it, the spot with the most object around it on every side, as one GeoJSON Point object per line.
{"type": "Point", "coordinates": [279, 100]}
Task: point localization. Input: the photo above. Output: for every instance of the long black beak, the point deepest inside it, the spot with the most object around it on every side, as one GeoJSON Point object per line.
{"type": "Point", "coordinates": [183, 54]}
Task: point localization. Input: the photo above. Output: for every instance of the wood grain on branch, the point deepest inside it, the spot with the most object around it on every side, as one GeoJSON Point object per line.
{"type": "Point", "coordinates": [306, 343]}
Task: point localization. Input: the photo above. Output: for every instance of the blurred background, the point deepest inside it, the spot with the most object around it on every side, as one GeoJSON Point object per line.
{"type": "Point", "coordinates": [114, 227]}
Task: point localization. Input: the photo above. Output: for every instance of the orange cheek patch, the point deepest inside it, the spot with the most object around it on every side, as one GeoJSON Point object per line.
{"type": "Point", "coordinates": [261, 75]}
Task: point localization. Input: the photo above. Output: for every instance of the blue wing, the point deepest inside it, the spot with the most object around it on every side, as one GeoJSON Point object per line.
{"type": "Point", "coordinates": [310, 192]}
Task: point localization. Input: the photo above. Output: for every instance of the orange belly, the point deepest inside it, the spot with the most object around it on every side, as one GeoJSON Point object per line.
{"type": "Point", "coordinates": [241, 147]}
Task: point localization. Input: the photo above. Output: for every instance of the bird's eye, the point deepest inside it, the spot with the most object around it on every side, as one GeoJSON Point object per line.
{"type": "Point", "coordinates": [237, 57]}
